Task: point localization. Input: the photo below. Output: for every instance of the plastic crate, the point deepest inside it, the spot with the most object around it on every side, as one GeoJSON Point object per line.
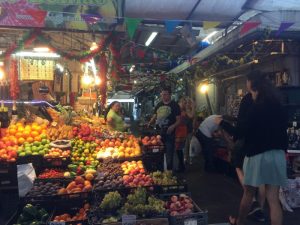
{"type": "Point", "coordinates": [72, 211]}
{"type": "Point", "coordinates": [8, 175]}
{"type": "Point", "coordinates": [198, 217]}
{"type": "Point", "coordinates": [154, 162]}
{"type": "Point", "coordinates": [152, 149]}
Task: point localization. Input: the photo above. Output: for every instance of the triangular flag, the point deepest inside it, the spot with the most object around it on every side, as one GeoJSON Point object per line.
{"type": "Point", "coordinates": [131, 25]}
{"type": "Point", "coordinates": [171, 25]}
{"type": "Point", "coordinates": [247, 26]}
{"type": "Point", "coordinates": [210, 24]}
{"type": "Point", "coordinates": [284, 26]}
{"type": "Point", "coordinates": [38, 15]}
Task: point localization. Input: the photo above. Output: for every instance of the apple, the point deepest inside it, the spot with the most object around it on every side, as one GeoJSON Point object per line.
{"type": "Point", "coordinates": [174, 198]}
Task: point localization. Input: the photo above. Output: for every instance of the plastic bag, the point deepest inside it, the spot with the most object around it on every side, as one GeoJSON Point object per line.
{"type": "Point", "coordinates": [290, 194]}
{"type": "Point", "coordinates": [26, 176]}
{"type": "Point", "coordinates": [195, 147]}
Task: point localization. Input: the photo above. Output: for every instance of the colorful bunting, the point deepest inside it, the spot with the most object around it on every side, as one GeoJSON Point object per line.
{"type": "Point", "coordinates": [171, 25]}
{"type": "Point", "coordinates": [131, 25]}
{"type": "Point", "coordinates": [249, 25]}
{"type": "Point", "coordinates": [284, 26]}
{"type": "Point", "coordinates": [210, 24]}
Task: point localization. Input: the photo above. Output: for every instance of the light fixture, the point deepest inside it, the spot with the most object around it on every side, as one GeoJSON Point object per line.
{"type": "Point", "coordinates": [203, 88]}
{"type": "Point", "coordinates": [206, 39]}
{"type": "Point", "coordinates": [131, 68]}
{"type": "Point", "coordinates": [181, 79]}
{"type": "Point", "coordinates": [41, 49]}
{"type": "Point", "coordinates": [94, 45]}
{"type": "Point", "coordinates": [97, 80]}
{"type": "Point", "coordinates": [135, 82]}
{"type": "Point", "coordinates": [37, 54]}
{"type": "Point", "coordinates": [60, 67]}
{"type": "Point", "coordinates": [87, 80]}
{"type": "Point", "coordinates": [1, 74]}
{"type": "Point", "coordinates": [151, 38]}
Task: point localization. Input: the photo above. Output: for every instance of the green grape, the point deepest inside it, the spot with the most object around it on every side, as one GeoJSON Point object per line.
{"type": "Point", "coordinates": [111, 200]}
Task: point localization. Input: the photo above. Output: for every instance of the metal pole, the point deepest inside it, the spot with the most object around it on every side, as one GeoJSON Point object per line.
{"type": "Point", "coordinates": [208, 104]}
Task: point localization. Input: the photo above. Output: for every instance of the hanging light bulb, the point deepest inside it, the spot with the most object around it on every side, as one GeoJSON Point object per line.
{"type": "Point", "coordinates": [87, 80]}
{"type": "Point", "coordinates": [97, 80]}
{"type": "Point", "coordinates": [94, 45]}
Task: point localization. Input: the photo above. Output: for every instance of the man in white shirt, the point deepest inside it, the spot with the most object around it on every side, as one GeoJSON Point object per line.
{"type": "Point", "coordinates": [204, 135]}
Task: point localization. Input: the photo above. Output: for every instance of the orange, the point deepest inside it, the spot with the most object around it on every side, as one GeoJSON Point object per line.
{"type": "Point", "coordinates": [37, 128]}
{"type": "Point", "coordinates": [19, 124]}
{"type": "Point", "coordinates": [34, 124]}
{"type": "Point", "coordinates": [18, 135]}
{"type": "Point", "coordinates": [44, 126]}
{"type": "Point", "coordinates": [26, 133]}
{"type": "Point", "coordinates": [20, 129]}
{"type": "Point", "coordinates": [37, 138]}
{"type": "Point", "coordinates": [29, 139]}
{"type": "Point", "coordinates": [21, 141]}
{"type": "Point", "coordinates": [5, 139]}
{"type": "Point", "coordinates": [34, 134]}
{"type": "Point", "coordinates": [12, 131]}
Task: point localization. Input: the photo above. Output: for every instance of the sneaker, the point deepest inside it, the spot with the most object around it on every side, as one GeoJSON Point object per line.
{"type": "Point", "coordinates": [258, 216]}
{"type": "Point", "coordinates": [255, 207]}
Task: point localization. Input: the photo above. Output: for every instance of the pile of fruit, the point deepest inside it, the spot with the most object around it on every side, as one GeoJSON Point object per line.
{"type": "Point", "coordinates": [8, 153]}
{"type": "Point", "coordinates": [112, 200]}
{"type": "Point", "coordinates": [84, 152]}
{"type": "Point", "coordinates": [116, 149]}
{"type": "Point", "coordinates": [163, 178]}
{"type": "Point", "coordinates": [44, 188]}
{"type": "Point", "coordinates": [110, 167]}
{"type": "Point", "coordinates": [32, 215]}
{"type": "Point", "coordinates": [108, 181]}
{"type": "Point", "coordinates": [180, 205]}
{"type": "Point", "coordinates": [51, 173]}
{"type": "Point", "coordinates": [35, 148]}
{"type": "Point", "coordinates": [153, 140]}
{"type": "Point", "coordinates": [83, 132]}
{"type": "Point", "coordinates": [76, 186]}
{"type": "Point", "coordinates": [57, 153]}
{"type": "Point", "coordinates": [79, 216]}
{"type": "Point", "coordinates": [138, 180]}
{"type": "Point", "coordinates": [63, 132]}
{"type": "Point", "coordinates": [133, 167]}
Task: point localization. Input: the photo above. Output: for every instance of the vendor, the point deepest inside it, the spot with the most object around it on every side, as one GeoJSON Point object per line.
{"type": "Point", "coordinates": [114, 117]}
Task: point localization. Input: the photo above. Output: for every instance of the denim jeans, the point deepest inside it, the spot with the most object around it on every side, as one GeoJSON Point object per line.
{"type": "Point", "coordinates": [208, 149]}
{"type": "Point", "coordinates": [169, 141]}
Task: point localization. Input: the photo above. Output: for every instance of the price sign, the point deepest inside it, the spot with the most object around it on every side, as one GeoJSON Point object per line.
{"type": "Point", "coordinates": [57, 223]}
{"type": "Point", "coordinates": [128, 219]}
{"type": "Point", "coordinates": [190, 222]}
{"type": "Point", "coordinates": [155, 150]}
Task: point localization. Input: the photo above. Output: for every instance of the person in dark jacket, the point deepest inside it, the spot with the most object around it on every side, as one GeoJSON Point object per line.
{"type": "Point", "coordinates": [265, 140]}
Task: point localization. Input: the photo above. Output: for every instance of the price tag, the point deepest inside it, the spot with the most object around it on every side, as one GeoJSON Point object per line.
{"type": "Point", "coordinates": [128, 219]}
{"type": "Point", "coordinates": [57, 223]}
{"type": "Point", "coordinates": [190, 222]}
{"type": "Point", "coordinates": [155, 150]}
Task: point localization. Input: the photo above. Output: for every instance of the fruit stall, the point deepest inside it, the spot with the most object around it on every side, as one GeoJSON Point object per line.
{"type": "Point", "coordinates": [88, 174]}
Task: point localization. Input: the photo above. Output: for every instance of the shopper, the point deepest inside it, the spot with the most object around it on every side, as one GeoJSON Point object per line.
{"type": "Point", "coordinates": [114, 117]}
{"type": "Point", "coordinates": [265, 139]}
{"type": "Point", "coordinates": [205, 137]}
{"type": "Point", "coordinates": [182, 131]}
{"type": "Point", "coordinates": [238, 154]}
{"type": "Point", "coordinates": [167, 118]}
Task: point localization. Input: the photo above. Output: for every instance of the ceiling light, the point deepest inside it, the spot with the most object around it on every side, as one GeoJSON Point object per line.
{"type": "Point", "coordinates": [203, 88]}
{"type": "Point", "coordinates": [135, 82]}
{"type": "Point", "coordinates": [131, 68]}
{"type": "Point", "coordinates": [94, 46]}
{"type": "Point", "coordinates": [206, 39]}
{"type": "Point", "coordinates": [60, 67]}
{"type": "Point", "coordinates": [41, 49]}
{"type": "Point", "coordinates": [37, 54]}
{"type": "Point", "coordinates": [151, 38]}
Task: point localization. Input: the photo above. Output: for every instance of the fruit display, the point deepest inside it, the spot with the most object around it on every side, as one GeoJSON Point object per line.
{"type": "Point", "coordinates": [79, 216]}
{"type": "Point", "coordinates": [83, 131]}
{"type": "Point", "coordinates": [20, 133]}
{"type": "Point", "coordinates": [111, 200]}
{"type": "Point", "coordinates": [138, 180]}
{"type": "Point", "coordinates": [63, 132]}
{"type": "Point", "coordinates": [141, 204]}
{"type": "Point", "coordinates": [133, 167]}
{"type": "Point", "coordinates": [44, 188]}
{"type": "Point", "coordinates": [180, 205]}
{"type": "Point", "coordinates": [117, 149]}
{"type": "Point", "coordinates": [33, 215]}
{"type": "Point", "coordinates": [51, 173]}
{"type": "Point", "coordinates": [57, 153]}
{"type": "Point", "coordinates": [110, 167]}
{"type": "Point", "coordinates": [8, 153]}
{"type": "Point", "coordinates": [78, 185]}
{"type": "Point", "coordinates": [35, 148]}
{"type": "Point", "coordinates": [53, 114]}
{"type": "Point", "coordinates": [84, 152]}
{"type": "Point", "coordinates": [153, 140]}
{"type": "Point", "coordinates": [163, 178]}
{"type": "Point", "coordinates": [108, 181]}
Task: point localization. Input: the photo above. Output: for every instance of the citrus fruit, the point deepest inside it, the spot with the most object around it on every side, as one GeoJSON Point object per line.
{"type": "Point", "coordinates": [34, 134]}
{"type": "Point", "coordinates": [12, 131]}
{"type": "Point", "coordinates": [37, 138]}
{"type": "Point", "coordinates": [18, 135]}
{"type": "Point", "coordinates": [21, 141]}
{"type": "Point", "coordinates": [29, 139]}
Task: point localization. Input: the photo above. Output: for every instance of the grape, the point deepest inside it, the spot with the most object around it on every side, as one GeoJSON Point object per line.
{"type": "Point", "coordinates": [111, 200]}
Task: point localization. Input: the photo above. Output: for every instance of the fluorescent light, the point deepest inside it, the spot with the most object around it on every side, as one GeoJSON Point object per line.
{"type": "Point", "coordinates": [151, 38]}
{"type": "Point", "coordinates": [37, 54]}
{"type": "Point", "coordinates": [120, 100]}
{"type": "Point", "coordinates": [41, 49]}
{"type": "Point", "coordinates": [131, 68]}
{"type": "Point", "coordinates": [60, 67]}
{"type": "Point", "coordinates": [206, 39]}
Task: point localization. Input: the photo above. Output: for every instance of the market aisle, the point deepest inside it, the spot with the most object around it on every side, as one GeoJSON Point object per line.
{"type": "Point", "coordinates": [220, 195]}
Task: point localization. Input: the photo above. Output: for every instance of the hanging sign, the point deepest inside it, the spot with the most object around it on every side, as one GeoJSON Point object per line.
{"type": "Point", "coordinates": [96, 15]}
{"type": "Point", "coordinates": [36, 69]}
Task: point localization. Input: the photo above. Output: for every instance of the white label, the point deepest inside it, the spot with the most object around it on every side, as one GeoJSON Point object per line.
{"type": "Point", "coordinates": [128, 219]}
{"type": "Point", "coordinates": [57, 223]}
{"type": "Point", "coordinates": [155, 150]}
{"type": "Point", "coordinates": [190, 222]}
{"type": "Point", "coordinates": [294, 124]}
